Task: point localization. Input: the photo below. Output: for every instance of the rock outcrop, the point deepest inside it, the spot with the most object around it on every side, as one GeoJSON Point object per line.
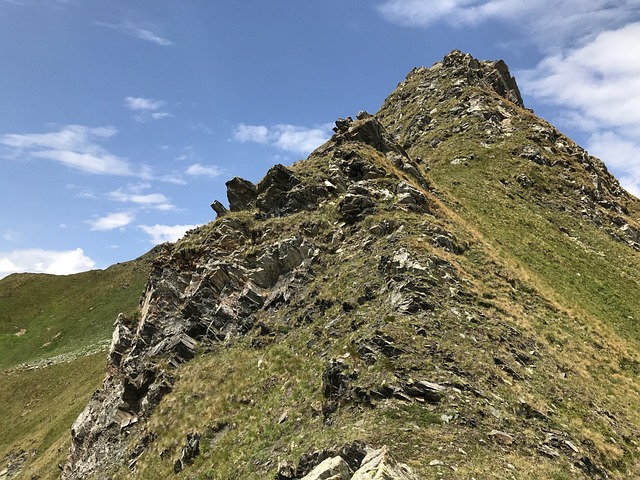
{"type": "Point", "coordinates": [189, 299]}
{"type": "Point", "coordinates": [242, 194]}
{"type": "Point", "coordinates": [376, 465]}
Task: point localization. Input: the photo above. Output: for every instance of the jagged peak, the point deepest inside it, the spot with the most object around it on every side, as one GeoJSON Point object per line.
{"type": "Point", "coordinates": [333, 169]}
{"type": "Point", "coordinates": [467, 70]}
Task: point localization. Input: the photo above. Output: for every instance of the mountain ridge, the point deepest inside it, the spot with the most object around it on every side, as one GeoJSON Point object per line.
{"type": "Point", "coordinates": [451, 278]}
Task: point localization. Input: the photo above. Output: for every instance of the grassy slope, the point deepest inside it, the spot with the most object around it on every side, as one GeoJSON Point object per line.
{"type": "Point", "coordinates": [39, 406]}
{"type": "Point", "coordinates": [42, 316]}
{"type": "Point", "coordinates": [69, 318]}
{"type": "Point", "coordinates": [551, 248]}
{"type": "Point", "coordinates": [574, 261]}
{"type": "Point", "coordinates": [260, 401]}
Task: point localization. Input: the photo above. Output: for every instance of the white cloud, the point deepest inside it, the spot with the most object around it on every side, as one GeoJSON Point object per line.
{"type": "Point", "coordinates": [198, 170]}
{"type": "Point", "coordinates": [102, 164]}
{"type": "Point", "coordinates": [157, 201]}
{"type": "Point", "coordinates": [597, 84]}
{"type": "Point", "coordinates": [165, 233]}
{"type": "Point", "coordinates": [174, 178]}
{"type": "Point", "coordinates": [160, 115]}
{"type": "Point", "coordinates": [143, 104]}
{"type": "Point", "coordinates": [111, 221]}
{"type": "Point", "coordinates": [252, 133]}
{"type": "Point", "coordinates": [600, 79]}
{"type": "Point", "coordinates": [45, 261]}
{"type": "Point", "coordinates": [289, 138]}
{"type": "Point", "coordinates": [149, 36]}
{"type": "Point", "coordinates": [71, 137]}
{"type": "Point", "coordinates": [75, 146]}
{"type": "Point", "coordinates": [146, 108]}
{"type": "Point", "coordinates": [135, 31]}
{"type": "Point", "coordinates": [622, 157]}
{"type": "Point", "coordinates": [547, 23]}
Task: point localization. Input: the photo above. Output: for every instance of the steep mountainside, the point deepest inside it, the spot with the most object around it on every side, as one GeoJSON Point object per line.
{"type": "Point", "coordinates": [450, 281]}
{"type": "Point", "coordinates": [54, 331]}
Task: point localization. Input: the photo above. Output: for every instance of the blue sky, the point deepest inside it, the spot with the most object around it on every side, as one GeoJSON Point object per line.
{"type": "Point", "coordinates": [121, 120]}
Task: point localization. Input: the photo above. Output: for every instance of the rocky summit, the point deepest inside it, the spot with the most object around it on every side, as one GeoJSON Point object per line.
{"type": "Point", "coordinates": [447, 288]}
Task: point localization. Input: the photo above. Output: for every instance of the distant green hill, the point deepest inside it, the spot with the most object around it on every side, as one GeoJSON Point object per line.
{"type": "Point", "coordinates": [42, 316]}
{"type": "Point", "coordinates": [54, 332]}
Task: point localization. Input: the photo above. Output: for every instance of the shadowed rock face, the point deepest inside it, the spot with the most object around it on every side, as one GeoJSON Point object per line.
{"type": "Point", "coordinates": [365, 198]}
{"type": "Point", "coordinates": [242, 194]}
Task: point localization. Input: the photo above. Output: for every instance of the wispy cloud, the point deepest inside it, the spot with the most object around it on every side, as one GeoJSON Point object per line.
{"type": "Point", "coordinates": [10, 235]}
{"type": "Point", "coordinates": [174, 178]}
{"type": "Point", "coordinates": [143, 104]}
{"type": "Point", "coordinates": [146, 108]}
{"type": "Point", "coordinates": [285, 137]}
{"type": "Point", "coordinates": [133, 30]}
{"type": "Point", "coordinates": [187, 153]}
{"type": "Point", "coordinates": [74, 146]}
{"type": "Point", "coordinates": [547, 23]}
{"type": "Point", "coordinates": [199, 170]}
{"type": "Point", "coordinates": [82, 191]}
{"type": "Point", "coordinates": [196, 168]}
{"type": "Point", "coordinates": [134, 194]}
{"type": "Point", "coordinates": [111, 221]}
{"type": "Point", "coordinates": [160, 115]}
{"type": "Point", "coordinates": [45, 261]}
{"type": "Point", "coordinates": [165, 233]}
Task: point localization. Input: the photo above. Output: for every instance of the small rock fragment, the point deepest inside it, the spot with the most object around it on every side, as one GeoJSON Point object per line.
{"type": "Point", "coordinates": [501, 436]}
{"type": "Point", "coordinates": [334, 468]}
{"type": "Point", "coordinates": [219, 208]}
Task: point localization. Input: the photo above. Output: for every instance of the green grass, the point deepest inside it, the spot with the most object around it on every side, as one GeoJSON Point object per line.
{"type": "Point", "coordinates": [583, 269]}
{"type": "Point", "coordinates": [38, 408]}
{"type": "Point", "coordinates": [247, 389]}
{"type": "Point", "coordinates": [42, 316]}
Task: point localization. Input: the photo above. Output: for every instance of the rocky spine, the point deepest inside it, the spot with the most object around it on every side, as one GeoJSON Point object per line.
{"type": "Point", "coordinates": [363, 193]}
